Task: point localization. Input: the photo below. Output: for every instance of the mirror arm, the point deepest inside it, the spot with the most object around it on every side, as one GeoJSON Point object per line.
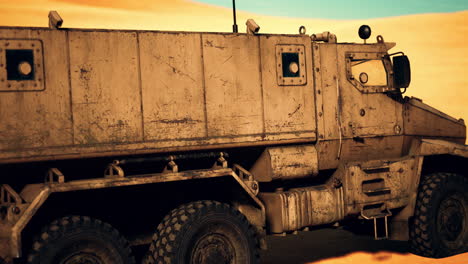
{"type": "Point", "coordinates": [399, 52]}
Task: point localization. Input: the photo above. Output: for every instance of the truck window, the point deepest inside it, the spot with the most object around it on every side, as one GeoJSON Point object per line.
{"type": "Point", "coordinates": [369, 72]}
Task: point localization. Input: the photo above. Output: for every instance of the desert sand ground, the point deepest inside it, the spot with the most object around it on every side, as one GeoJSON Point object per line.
{"type": "Point", "coordinates": [338, 246]}
{"type": "Point", "coordinates": [435, 43]}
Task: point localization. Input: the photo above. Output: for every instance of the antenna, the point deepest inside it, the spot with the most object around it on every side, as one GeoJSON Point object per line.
{"type": "Point", "coordinates": [234, 27]}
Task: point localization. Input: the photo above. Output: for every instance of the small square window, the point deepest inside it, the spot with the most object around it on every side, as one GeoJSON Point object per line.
{"type": "Point", "coordinates": [20, 65]}
{"type": "Point", "coordinates": [290, 64]}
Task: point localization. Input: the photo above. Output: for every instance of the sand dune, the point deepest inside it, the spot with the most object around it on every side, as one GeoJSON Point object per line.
{"type": "Point", "coordinates": [391, 258]}
{"type": "Point", "coordinates": [435, 43]}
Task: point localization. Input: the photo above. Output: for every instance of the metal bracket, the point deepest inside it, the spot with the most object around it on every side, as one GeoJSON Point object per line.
{"type": "Point", "coordinates": [8, 196]}
{"type": "Point", "coordinates": [221, 162]}
{"type": "Point", "coordinates": [114, 170]}
{"type": "Point", "coordinates": [54, 175]}
{"type": "Point", "coordinates": [171, 166]}
{"type": "Point", "coordinates": [247, 178]}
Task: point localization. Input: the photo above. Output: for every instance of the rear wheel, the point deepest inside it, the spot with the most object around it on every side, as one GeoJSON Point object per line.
{"type": "Point", "coordinates": [440, 226]}
{"type": "Point", "coordinates": [80, 240]}
{"type": "Point", "coordinates": [204, 232]}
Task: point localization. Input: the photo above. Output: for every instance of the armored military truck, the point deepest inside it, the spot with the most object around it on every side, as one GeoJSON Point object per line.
{"type": "Point", "coordinates": [202, 144]}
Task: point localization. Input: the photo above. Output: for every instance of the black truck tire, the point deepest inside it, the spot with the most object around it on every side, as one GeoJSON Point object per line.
{"type": "Point", "coordinates": [440, 226]}
{"type": "Point", "coordinates": [77, 240]}
{"type": "Point", "coordinates": [204, 232]}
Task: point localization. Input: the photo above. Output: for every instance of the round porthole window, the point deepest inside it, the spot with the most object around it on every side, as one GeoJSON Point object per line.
{"type": "Point", "coordinates": [363, 78]}
{"type": "Point", "coordinates": [293, 67]}
{"type": "Point", "coordinates": [24, 68]}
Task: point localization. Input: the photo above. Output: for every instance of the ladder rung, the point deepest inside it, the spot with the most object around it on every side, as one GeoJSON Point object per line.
{"type": "Point", "coordinates": [376, 237]}
{"type": "Point", "coordinates": [380, 191]}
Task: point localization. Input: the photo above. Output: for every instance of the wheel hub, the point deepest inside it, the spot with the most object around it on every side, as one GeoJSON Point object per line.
{"type": "Point", "coordinates": [213, 249]}
{"type": "Point", "coordinates": [83, 258]}
{"type": "Point", "coordinates": [451, 219]}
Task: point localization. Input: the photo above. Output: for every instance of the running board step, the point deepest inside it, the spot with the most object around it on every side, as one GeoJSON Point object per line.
{"type": "Point", "coordinates": [375, 216]}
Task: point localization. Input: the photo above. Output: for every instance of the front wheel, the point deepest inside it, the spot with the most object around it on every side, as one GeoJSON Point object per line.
{"type": "Point", "coordinates": [204, 232]}
{"type": "Point", "coordinates": [80, 240]}
{"type": "Point", "coordinates": [440, 226]}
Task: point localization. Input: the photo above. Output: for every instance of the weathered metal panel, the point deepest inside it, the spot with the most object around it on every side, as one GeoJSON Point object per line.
{"type": "Point", "coordinates": [233, 85]}
{"type": "Point", "coordinates": [364, 114]}
{"type": "Point", "coordinates": [286, 163]}
{"type": "Point", "coordinates": [377, 182]}
{"type": "Point", "coordinates": [327, 70]}
{"type": "Point", "coordinates": [172, 86]}
{"type": "Point", "coordinates": [109, 87]}
{"type": "Point", "coordinates": [288, 109]}
{"type": "Point", "coordinates": [106, 96]}
{"type": "Point", "coordinates": [423, 120]}
{"type": "Point", "coordinates": [318, 89]}
{"type": "Point", "coordinates": [34, 119]}
{"type": "Point", "coordinates": [428, 147]}
{"type": "Point", "coordinates": [372, 148]}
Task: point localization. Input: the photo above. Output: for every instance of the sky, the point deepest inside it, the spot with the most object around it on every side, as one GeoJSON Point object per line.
{"type": "Point", "coordinates": [343, 9]}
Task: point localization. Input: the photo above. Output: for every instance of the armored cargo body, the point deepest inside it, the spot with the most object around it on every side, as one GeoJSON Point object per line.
{"type": "Point", "coordinates": [201, 144]}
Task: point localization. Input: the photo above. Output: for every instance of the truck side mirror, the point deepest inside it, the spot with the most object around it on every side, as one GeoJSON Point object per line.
{"type": "Point", "coordinates": [402, 71]}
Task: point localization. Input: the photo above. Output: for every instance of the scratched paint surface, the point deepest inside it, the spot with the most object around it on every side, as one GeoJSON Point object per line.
{"type": "Point", "coordinates": [153, 90]}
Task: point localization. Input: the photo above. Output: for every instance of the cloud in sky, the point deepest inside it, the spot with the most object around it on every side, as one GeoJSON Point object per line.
{"type": "Point", "coordinates": [343, 9]}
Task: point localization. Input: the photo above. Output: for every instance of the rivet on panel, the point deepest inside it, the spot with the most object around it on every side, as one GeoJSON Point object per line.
{"type": "Point", "coordinates": [320, 114]}
{"type": "Point", "coordinates": [397, 129]}
{"type": "Point", "coordinates": [362, 112]}
{"type": "Point", "coordinates": [319, 92]}
{"type": "Point", "coordinates": [317, 69]}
